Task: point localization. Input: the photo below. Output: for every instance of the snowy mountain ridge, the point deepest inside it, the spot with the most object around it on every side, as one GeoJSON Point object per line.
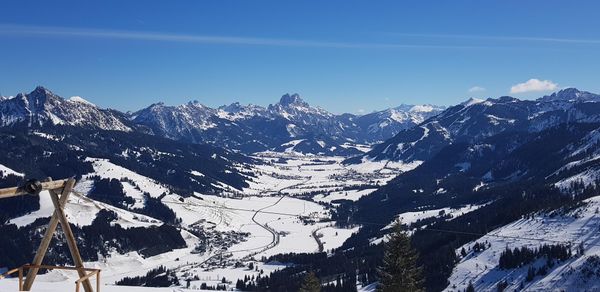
{"type": "Point", "coordinates": [41, 107]}
{"type": "Point", "coordinates": [247, 128]}
{"type": "Point", "coordinates": [253, 128]}
{"type": "Point", "coordinates": [474, 120]}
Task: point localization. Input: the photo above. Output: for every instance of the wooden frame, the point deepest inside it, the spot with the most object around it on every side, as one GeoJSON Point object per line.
{"type": "Point", "coordinates": [59, 193]}
{"type": "Point", "coordinates": [91, 273]}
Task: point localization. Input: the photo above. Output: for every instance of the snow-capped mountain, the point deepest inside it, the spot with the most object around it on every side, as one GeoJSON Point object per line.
{"type": "Point", "coordinates": [246, 128]}
{"type": "Point", "coordinates": [476, 119]}
{"type": "Point", "coordinates": [384, 124]}
{"type": "Point", "coordinates": [252, 128]}
{"type": "Point", "coordinates": [42, 107]}
{"type": "Point", "coordinates": [176, 122]}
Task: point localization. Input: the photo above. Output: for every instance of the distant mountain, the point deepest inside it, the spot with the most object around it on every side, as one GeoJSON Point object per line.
{"type": "Point", "coordinates": [475, 120]}
{"type": "Point", "coordinates": [42, 107]}
{"type": "Point", "coordinates": [252, 128]}
{"type": "Point", "coordinates": [384, 124]}
{"type": "Point", "coordinates": [246, 128]}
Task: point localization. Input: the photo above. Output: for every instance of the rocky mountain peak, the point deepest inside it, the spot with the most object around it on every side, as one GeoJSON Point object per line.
{"type": "Point", "coordinates": [291, 99]}
{"type": "Point", "coordinates": [571, 94]}
{"type": "Point", "coordinates": [232, 108]}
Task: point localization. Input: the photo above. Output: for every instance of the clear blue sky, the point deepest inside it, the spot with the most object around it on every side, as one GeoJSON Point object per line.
{"type": "Point", "coordinates": [345, 56]}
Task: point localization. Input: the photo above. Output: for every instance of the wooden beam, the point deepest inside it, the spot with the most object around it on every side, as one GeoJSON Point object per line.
{"type": "Point", "coordinates": [71, 242]}
{"type": "Point", "coordinates": [19, 191]}
{"type": "Point", "coordinates": [41, 252]}
{"type": "Point", "coordinates": [49, 267]}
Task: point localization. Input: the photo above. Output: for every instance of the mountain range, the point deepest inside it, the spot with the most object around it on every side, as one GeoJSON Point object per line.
{"type": "Point", "coordinates": [246, 128]}
{"type": "Point", "coordinates": [475, 120]}
{"type": "Point", "coordinates": [513, 162]}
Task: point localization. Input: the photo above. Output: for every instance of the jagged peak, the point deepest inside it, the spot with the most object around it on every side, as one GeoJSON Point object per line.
{"type": "Point", "coordinates": [291, 99]}
{"type": "Point", "coordinates": [156, 105]}
{"type": "Point", "coordinates": [39, 96]}
{"type": "Point", "coordinates": [41, 90]}
{"type": "Point", "coordinates": [571, 94]}
{"type": "Point", "coordinates": [569, 90]}
{"type": "Point", "coordinates": [197, 104]}
{"type": "Point", "coordinates": [232, 108]}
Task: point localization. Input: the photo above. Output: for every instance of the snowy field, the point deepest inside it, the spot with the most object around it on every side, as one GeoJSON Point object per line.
{"type": "Point", "coordinates": [325, 178]}
{"type": "Point", "coordinates": [281, 212]}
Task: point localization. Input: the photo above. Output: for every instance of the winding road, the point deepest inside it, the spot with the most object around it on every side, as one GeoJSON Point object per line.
{"type": "Point", "coordinates": [275, 235]}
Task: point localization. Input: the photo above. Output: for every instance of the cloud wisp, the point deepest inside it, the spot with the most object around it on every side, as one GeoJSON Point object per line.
{"type": "Point", "coordinates": [534, 85]}
{"type": "Point", "coordinates": [502, 38]}
{"type": "Point", "coordinates": [20, 30]}
{"type": "Point", "coordinates": [476, 89]}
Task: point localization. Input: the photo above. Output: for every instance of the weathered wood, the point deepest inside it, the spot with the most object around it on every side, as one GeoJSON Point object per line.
{"type": "Point", "coordinates": [88, 275]}
{"type": "Point", "coordinates": [41, 251]}
{"type": "Point", "coordinates": [54, 187]}
{"type": "Point", "coordinates": [48, 267]}
{"type": "Point", "coordinates": [19, 191]}
{"type": "Point", "coordinates": [71, 242]}
{"type": "Point", "coordinates": [21, 279]}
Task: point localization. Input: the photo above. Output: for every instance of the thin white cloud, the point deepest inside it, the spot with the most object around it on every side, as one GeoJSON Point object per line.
{"type": "Point", "coordinates": [476, 89]}
{"type": "Point", "coordinates": [20, 30]}
{"type": "Point", "coordinates": [502, 38]}
{"type": "Point", "coordinates": [532, 85]}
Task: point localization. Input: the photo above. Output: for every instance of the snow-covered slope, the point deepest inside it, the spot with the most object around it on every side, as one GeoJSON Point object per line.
{"type": "Point", "coordinates": [576, 227]}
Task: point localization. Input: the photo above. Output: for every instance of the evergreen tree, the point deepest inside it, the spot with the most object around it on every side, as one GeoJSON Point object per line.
{"type": "Point", "coordinates": [399, 271]}
{"type": "Point", "coordinates": [311, 283]}
{"type": "Point", "coordinates": [470, 288]}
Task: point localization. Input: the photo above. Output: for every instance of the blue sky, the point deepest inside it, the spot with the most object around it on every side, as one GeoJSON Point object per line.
{"type": "Point", "coordinates": [345, 56]}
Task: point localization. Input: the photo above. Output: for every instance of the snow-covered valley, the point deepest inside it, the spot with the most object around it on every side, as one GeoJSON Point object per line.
{"type": "Point", "coordinates": [285, 209]}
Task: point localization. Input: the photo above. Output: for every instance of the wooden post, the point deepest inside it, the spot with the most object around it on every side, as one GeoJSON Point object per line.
{"type": "Point", "coordinates": [71, 242]}
{"type": "Point", "coordinates": [59, 201]}
{"type": "Point", "coordinates": [21, 279]}
{"type": "Point", "coordinates": [41, 252]}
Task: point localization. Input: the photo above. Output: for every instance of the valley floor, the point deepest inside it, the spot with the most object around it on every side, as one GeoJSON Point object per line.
{"type": "Point", "coordinates": [281, 211]}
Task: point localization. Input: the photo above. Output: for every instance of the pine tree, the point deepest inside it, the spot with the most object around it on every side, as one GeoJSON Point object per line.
{"type": "Point", "coordinates": [470, 288]}
{"type": "Point", "coordinates": [311, 283]}
{"type": "Point", "coordinates": [399, 271]}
